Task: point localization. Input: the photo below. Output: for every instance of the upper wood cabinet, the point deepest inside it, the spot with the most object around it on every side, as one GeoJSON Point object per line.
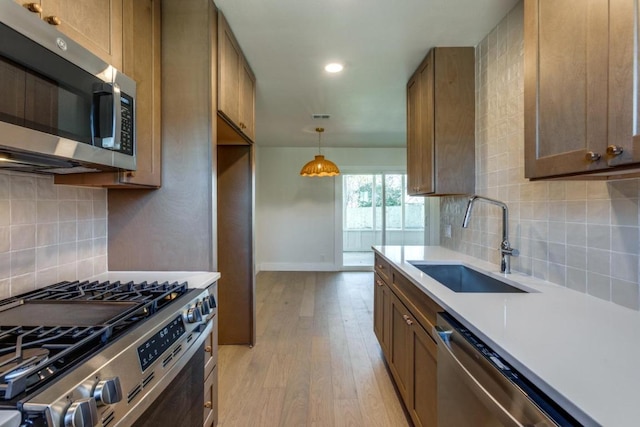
{"type": "Point", "coordinates": [581, 92]}
{"type": "Point", "coordinates": [95, 24]}
{"type": "Point", "coordinates": [441, 124]}
{"type": "Point", "coordinates": [142, 53]}
{"type": "Point", "coordinates": [236, 82]}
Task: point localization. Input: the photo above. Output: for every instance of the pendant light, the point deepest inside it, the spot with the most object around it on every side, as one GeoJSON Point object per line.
{"type": "Point", "coordinates": [320, 166]}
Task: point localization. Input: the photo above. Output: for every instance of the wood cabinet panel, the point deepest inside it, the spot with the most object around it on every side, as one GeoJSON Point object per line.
{"type": "Point", "coordinates": [382, 313]}
{"type": "Point", "coordinates": [95, 24]}
{"type": "Point", "coordinates": [211, 349]}
{"type": "Point", "coordinates": [565, 86]}
{"type": "Point", "coordinates": [236, 82]}
{"type": "Point", "coordinates": [441, 124]}
{"type": "Point", "coordinates": [235, 214]}
{"type": "Point", "coordinates": [399, 347]}
{"type": "Point", "coordinates": [383, 269]}
{"type": "Point", "coordinates": [142, 62]}
{"type": "Point", "coordinates": [424, 308]}
{"type": "Point", "coordinates": [211, 399]}
{"type": "Point", "coordinates": [246, 107]}
{"type": "Point", "coordinates": [424, 386]}
{"type": "Point", "coordinates": [581, 89]}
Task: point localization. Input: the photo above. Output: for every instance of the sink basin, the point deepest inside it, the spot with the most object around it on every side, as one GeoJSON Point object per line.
{"type": "Point", "coordinates": [460, 278]}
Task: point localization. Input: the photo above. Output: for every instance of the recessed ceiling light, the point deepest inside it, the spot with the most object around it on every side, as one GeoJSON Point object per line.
{"type": "Point", "coordinates": [334, 67]}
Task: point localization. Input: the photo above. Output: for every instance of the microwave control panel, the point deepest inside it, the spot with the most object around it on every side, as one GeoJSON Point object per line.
{"type": "Point", "coordinates": [127, 134]}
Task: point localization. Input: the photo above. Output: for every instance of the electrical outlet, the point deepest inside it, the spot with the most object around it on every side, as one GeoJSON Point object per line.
{"type": "Point", "coordinates": [447, 231]}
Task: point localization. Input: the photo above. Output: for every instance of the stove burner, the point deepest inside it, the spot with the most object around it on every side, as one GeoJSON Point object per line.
{"type": "Point", "coordinates": [15, 365]}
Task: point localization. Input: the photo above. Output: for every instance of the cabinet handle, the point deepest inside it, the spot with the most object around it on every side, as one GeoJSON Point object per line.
{"type": "Point", "coordinates": [378, 282]}
{"type": "Point", "coordinates": [592, 157]}
{"type": "Point", "coordinates": [53, 20]}
{"type": "Point", "coordinates": [614, 150]}
{"type": "Point", "coordinates": [34, 7]}
{"type": "Point", "coordinates": [208, 349]}
{"type": "Point", "coordinates": [407, 319]}
{"type": "Point", "coordinates": [208, 404]}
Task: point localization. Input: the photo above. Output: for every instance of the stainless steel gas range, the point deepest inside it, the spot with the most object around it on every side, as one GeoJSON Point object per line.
{"type": "Point", "coordinates": [106, 353]}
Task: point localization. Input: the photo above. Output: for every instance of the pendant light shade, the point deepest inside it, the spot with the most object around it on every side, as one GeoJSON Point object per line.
{"type": "Point", "coordinates": [320, 166]}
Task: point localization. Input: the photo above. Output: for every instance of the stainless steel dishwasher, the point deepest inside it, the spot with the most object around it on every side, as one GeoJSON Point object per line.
{"type": "Point", "coordinates": [476, 387]}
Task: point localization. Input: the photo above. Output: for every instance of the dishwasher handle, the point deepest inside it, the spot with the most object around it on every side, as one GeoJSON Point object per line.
{"type": "Point", "coordinates": [444, 338]}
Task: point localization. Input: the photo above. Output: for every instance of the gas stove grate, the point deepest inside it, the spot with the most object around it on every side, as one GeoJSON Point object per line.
{"type": "Point", "coordinates": [33, 354]}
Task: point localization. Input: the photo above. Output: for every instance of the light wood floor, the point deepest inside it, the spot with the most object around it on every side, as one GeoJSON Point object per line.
{"type": "Point", "coordinates": [316, 362]}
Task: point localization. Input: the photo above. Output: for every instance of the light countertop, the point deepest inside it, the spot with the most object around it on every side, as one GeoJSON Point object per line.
{"type": "Point", "coordinates": [582, 351]}
{"type": "Point", "coordinates": [195, 279]}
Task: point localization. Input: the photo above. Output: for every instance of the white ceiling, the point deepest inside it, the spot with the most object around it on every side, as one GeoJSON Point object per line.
{"type": "Point", "coordinates": [381, 42]}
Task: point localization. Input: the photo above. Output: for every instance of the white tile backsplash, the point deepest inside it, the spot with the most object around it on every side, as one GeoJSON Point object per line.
{"type": "Point", "coordinates": [48, 232]}
{"type": "Point", "coordinates": [584, 235]}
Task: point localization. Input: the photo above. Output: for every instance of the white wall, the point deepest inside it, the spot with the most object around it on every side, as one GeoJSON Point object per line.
{"type": "Point", "coordinates": [296, 219]}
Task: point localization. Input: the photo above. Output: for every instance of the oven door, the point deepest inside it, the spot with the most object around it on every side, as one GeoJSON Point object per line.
{"type": "Point", "coordinates": [181, 403]}
{"type": "Point", "coordinates": [178, 398]}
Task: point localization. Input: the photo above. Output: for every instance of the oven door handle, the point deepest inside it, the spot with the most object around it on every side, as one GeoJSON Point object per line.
{"type": "Point", "coordinates": [444, 339]}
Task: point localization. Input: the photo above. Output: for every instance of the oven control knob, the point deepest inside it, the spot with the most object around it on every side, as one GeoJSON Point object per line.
{"type": "Point", "coordinates": [204, 306]}
{"type": "Point", "coordinates": [212, 301]}
{"type": "Point", "coordinates": [108, 391]}
{"type": "Point", "coordinates": [194, 315]}
{"type": "Point", "coordinates": [82, 413]}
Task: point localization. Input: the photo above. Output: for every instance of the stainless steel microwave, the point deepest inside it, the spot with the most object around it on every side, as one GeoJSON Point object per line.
{"type": "Point", "coordinates": [62, 109]}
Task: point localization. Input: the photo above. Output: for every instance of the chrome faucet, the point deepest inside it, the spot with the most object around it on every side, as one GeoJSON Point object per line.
{"type": "Point", "coordinates": [506, 251]}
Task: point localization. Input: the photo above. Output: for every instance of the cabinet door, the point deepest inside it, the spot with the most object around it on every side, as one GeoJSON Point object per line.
{"type": "Point", "coordinates": [382, 313]}
{"type": "Point", "coordinates": [624, 90]}
{"type": "Point", "coordinates": [426, 147]}
{"type": "Point", "coordinates": [246, 105]}
{"type": "Point", "coordinates": [228, 71]}
{"type": "Point", "coordinates": [211, 399]}
{"type": "Point", "coordinates": [414, 159]}
{"type": "Point", "coordinates": [211, 348]}
{"type": "Point", "coordinates": [423, 401]}
{"type": "Point", "coordinates": [142, 53]}
{"type": "Point", "coordinates": [566, 61]}
{"type": "Point", "coordinates": [95, 24]}
{"type": "Point", "coordinates": [399, 346]}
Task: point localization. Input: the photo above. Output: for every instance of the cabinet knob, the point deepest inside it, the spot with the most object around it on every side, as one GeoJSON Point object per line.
{"type": "Point", "coordinates": [208, 404]}
{"type": "Point", "coordinates": [378, 282]}
{"type": "Point", "coordinates": [614, 150]}
{"type": "Point", "coordinates": [53, 20]}
{"type": "Point", "coordinates": [34, 7]}
{"type": "Point", "coordinates": [407, 319]}
{"type": "Point", "coordinates": [592, 157]}
{"type": "Point", "coordinates": [208, 349]}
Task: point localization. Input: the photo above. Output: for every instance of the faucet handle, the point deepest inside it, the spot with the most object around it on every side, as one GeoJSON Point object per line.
{"type": "Point", "coordinates": [509, 251]}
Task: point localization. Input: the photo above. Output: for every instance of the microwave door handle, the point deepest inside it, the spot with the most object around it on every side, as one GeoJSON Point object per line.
{"type": "Point", "coordinates": [444, 338]}
{"type": "Point", "coordinates": [106, 116]}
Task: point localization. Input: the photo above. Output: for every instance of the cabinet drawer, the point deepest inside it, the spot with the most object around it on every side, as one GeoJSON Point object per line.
{"type": "Point", "coordinates": [422, 307]}
{"type": "Point", "coordinates": [383, 269]}
{"type": "Point", "coordinates": [211, 348]}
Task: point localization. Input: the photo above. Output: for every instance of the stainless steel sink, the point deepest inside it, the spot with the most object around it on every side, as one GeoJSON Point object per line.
{"type": "Point", "coordinates": [460, 278]}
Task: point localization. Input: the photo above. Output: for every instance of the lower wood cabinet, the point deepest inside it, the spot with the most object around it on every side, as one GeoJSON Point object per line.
{"type": "Point", "coordinates": [211, 399]}
{"type": "Point", "coordinates": [381, 313]}
{"type": "Point", "coordinates": [408, 347]}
